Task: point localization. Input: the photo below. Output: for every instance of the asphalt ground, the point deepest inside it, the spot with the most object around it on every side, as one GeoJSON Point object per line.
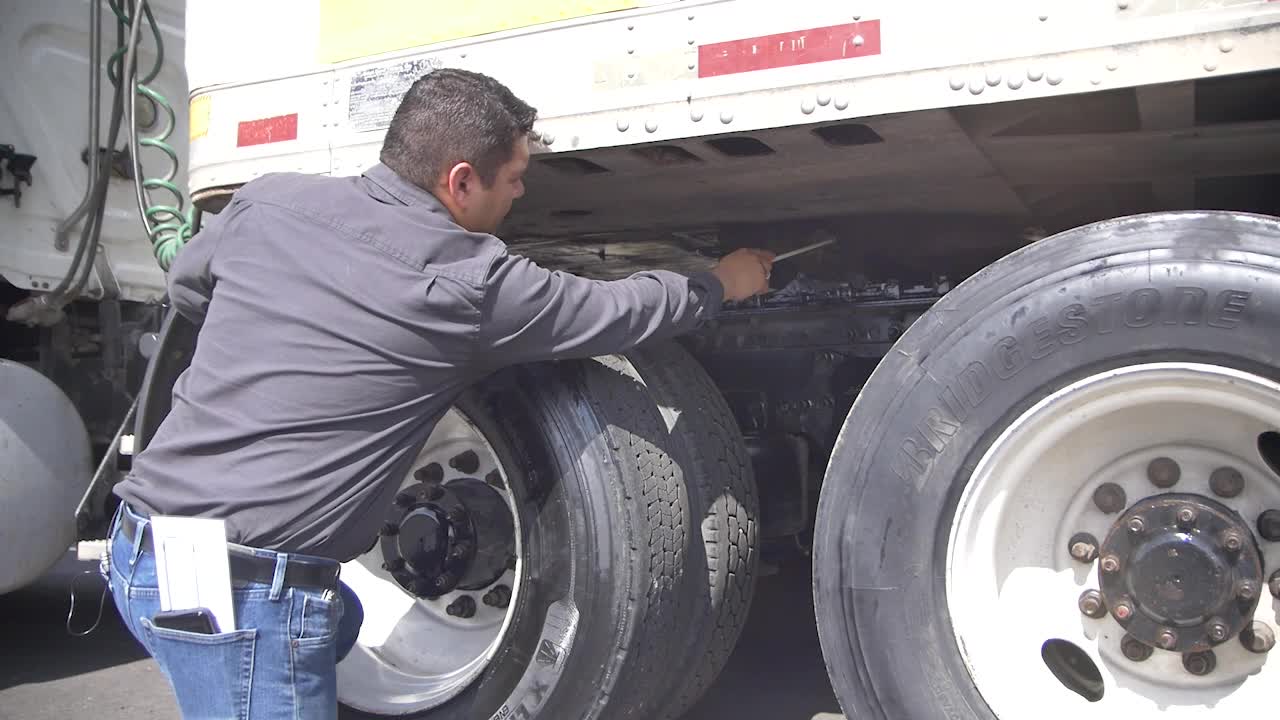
{"type": "Point", "coordinates": [775, 673]}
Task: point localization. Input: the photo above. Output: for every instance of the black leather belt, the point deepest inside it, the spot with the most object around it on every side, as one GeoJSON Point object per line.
{"type": "Point", "coordinates": [305, 572]}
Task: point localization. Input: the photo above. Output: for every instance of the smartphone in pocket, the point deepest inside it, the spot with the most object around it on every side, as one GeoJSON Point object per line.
{"type": "Point", "coordinates": [192, 620]}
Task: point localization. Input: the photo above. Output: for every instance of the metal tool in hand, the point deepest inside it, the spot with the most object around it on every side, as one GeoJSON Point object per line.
{"type": "Point", "coordinates": [803, 250]}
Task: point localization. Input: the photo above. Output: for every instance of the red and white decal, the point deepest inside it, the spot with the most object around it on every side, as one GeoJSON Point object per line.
{"type": "Point", "coordinates": [267, 130]}
{"type": "Point", "coordinates": [801, 47]}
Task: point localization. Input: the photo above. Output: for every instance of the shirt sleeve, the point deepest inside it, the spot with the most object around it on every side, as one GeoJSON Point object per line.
{"type": "Point", "coordinates": [530, 313]}
{"type": "Point", "coordinates": [191, 276]}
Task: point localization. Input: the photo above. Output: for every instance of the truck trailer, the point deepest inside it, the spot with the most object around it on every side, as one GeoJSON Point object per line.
{"type": "Point", "coordinates": [1021, 412]}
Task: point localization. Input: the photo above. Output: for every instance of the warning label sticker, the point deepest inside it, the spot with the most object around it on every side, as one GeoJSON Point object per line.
{"type": "Point", "coordinates": [376, 92]}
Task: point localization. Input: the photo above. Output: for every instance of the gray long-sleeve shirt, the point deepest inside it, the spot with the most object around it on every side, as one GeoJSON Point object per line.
{"type": "Point", "coordinates": [340, 319]}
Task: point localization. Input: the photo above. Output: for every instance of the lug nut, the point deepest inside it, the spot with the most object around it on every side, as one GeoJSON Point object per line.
{"type": "Point", "coordinates": [1123, 611]}
{"type": "Point", "coordinates": [1137, 525]}
{"type": "Point", "coordinates": [1258, 637]}
{"type": "Point", "coordinates": [1167, 639]}
{"type": "Point", "coordinates": [1110, 564]}
{"type": "Point", "coordinates": [1200, 663]}
{"type": "Point", "coordinates": [1110, 498]}
{"type": "Point", "coordinates": [1083, 547]}
{"type": "Point", "coordinates": [1226, 482]}
{"type": "Point", "coordinates": [1218, 631]}
{"type": "Point", "coordinates": [429, 474]}
{"type": "Point", "coordinates": [1187, 516]}
{"type": "Point", "coordinates": [499, 597]}
{"type": "Point", "coordinates": [1232, 541]}
{"type": "Point", "coordinates": [1273, 584]}
{"type": "Point", "coordinates": [1269, 525]}
{"type": "Point", "coordinates": [1163, 472]}
{"type": "Point", "coordinates": [1135, 649]}
{"type": "Point", "coordinates": [463, 607]}
{"type": "Point", "coordinates": [465, 463]}
{"type": "Point", "coordinates": [1247, 590]}
{"type": "Point", "coordinates": [1091, 604]}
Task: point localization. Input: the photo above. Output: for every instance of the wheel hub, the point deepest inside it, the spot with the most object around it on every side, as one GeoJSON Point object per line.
{"type": "Point", "coordinates": [439, 537]}
{"type": "Point", "coordinates": [1181, 572]}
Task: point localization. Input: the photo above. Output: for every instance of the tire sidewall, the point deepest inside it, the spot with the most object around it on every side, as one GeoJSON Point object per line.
{"type": "Point", "coordinates": [1201, 287]}
{"type": "Point", "coordinates": [562, 611]}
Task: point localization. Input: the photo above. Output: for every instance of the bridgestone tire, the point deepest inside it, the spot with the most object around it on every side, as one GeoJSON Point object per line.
{"type": "Point", "coordinates": [638, 533]}
{"type": "Point", "coordinates": [1168, 287]}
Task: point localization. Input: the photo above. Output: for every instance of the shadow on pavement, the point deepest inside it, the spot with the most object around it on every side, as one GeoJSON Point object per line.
{"type": "Point", "coordinates": [35, 646]}
{"type": "Point", "coordinates": [776, 672]}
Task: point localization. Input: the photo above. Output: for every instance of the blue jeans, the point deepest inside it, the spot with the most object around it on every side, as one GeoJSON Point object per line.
{"type": "Point", "coordinates": [280, 662]}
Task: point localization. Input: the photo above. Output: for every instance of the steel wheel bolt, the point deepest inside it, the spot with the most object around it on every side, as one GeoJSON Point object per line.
{"type": "Point", "coordinates": [1167, 639]}
{"type": "Point", "coordinates": [1135, 649]}
{"type": "Point", "coordinates": [1226, 482]}
{"type": "Point", "coordinates": [1258, 637]}
{"type": "Point", "coordinates": [1247, 590]}
{"type": "Point", "coordinates": [1187, 516]}
{"type": "Point", "coordinates": [1200, 663]}
{"type": "Point", "coordinates": [1217, 631]}
{"type": "Point", "coordinates": [1123, 611]}
{"type": "Point", "coordinates": [463, 607]}
{"type": "Point", "coordinates": [1269, 525]}
{"type": "Point", "coordinates": [498, 597]}
{"type": "Point", "coordinates": [1136, 525]}
{"type": "Point", "coordinates": [1083, 547]}
{"type": "Point", "coordinates": [1110, 564]}
{"type": "Point", "coordinates": [429, 474]}
{"type": "Point", "coordinates": [1232, 541]}
{"type": "Point", "coordinates": [1091, 604]}
{"type": "Point", "coordinates": [1109, 497]}
{"type": "Point", "coordinates": [1163, 472]}
{"type": "Point", "coordinates": [466, 462]}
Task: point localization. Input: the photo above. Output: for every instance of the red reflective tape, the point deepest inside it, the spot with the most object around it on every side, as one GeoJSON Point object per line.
{"type": "Point", "coordinates": [267, 130]}
{"type": "Point", "coordinates": [801, 47]}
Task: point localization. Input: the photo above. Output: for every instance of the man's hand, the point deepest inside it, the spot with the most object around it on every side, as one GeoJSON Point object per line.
{"type": "Point", "coordinates": [744, 273]}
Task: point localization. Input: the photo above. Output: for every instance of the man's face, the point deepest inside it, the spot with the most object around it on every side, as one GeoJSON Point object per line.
{"type": "Point", "coordinates": [482, 209]}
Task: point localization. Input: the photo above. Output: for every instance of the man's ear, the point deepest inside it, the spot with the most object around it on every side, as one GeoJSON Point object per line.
{"type": "Point", "coordinates": [462, 180]}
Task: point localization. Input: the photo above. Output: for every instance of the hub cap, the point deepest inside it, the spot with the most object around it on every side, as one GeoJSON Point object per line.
{"type": "Point", "coordinates": [1181, 577]}
{"type": "Point", "coordinates": [439, 585]}
{"type": "Point", "coordinates": [1169, 613]}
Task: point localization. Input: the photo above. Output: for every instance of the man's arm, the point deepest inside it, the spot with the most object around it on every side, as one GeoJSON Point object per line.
{"type": "Point", "coordinates": [191, 277]}
{"type": "Point", "coordinates": [531, 313]}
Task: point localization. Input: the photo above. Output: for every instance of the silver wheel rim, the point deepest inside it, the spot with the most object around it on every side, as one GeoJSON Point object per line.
{"type": "Point", "coordinates": [1012, 585]}
{"type": "Point", "coordinates": [411, 654]}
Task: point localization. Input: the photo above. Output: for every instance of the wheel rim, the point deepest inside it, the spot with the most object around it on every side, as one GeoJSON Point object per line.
{"type": "Point", "coordinates": [413, 653]}
{"type": "Point", "coordinates": [1017, 595]}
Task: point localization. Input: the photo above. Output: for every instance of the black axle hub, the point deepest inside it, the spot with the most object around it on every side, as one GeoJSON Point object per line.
{"type": "Point", "coordinates": [1181, 572]}
{"type": "Point", "coordinates": [439, 537]}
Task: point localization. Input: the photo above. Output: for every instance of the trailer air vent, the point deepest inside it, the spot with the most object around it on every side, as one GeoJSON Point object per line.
{"type": "Point", "coordinates": [667, 155]}
{"type": "Point", "coordinates": [574, 166]}
{"type": "Point", "coordinates": [848, 135]}
{"type": "Point", "coordinates": [740, 147]}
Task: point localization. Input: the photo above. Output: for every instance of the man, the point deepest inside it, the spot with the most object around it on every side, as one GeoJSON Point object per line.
{"type": "Point", "coordinates": [340, 319]}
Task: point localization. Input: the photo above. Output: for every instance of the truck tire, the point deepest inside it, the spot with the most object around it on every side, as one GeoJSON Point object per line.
{"type": "Point", "coordinates": [720, 571]}
{"type": "Point", "coordinates": [1119, 371]}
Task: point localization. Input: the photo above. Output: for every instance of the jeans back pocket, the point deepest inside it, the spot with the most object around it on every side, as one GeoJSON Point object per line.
{"type": "Point", "coordinates": [211, 675]}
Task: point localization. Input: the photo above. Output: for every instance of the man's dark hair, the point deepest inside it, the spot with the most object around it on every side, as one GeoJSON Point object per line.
{"type": "Point", "coordinates": [450, 116]}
